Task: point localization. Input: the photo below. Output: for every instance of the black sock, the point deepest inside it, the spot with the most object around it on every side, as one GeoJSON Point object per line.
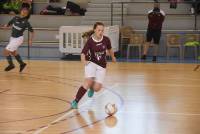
{"type": "Point", "coordinates": [19, 59]}
{"type": "Point", "coordinates": [80, 93]}
{"type": "Point", "coordinates": [9, 59]}
{"type": "Point", "coordinates": [154, 58]}
{"type": "Point", "coordinates": [143, 57]}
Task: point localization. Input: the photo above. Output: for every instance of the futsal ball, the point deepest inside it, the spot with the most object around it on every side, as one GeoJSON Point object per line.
{"type": "Point", "coordinates": [110, 109]}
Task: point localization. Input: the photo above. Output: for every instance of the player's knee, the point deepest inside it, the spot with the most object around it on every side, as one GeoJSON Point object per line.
{"type": "Point", "coordinates": [14, 53]}
{"type": "Point", "coordinates": [5, 52]}
{"type": "Point", "coordinates": [148, 43]}
{"type": "Point", "coordinates": [97, 88]}
{"type": "Point", "coordinates": [87, 84]}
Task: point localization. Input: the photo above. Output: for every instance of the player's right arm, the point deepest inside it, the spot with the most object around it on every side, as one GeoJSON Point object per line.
{"type": "Point", "coordinates": [83, 59]}
{"type": "Point", "coordinates": [10, 22]}
{"type": "Point", "coordinates": [84, 53]}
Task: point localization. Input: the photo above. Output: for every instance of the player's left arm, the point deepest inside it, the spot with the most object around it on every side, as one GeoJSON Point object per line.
{"type": "Point", "coordinates": [163, 15]}
{"type": "Point", "coordinates": [30, 29]}
{"type": "Point", "coordinates": [111, 53]}
{"type": "Point", "coordinates": [110, 50]}
{"type": "Point", "coordinates": [31, 38]}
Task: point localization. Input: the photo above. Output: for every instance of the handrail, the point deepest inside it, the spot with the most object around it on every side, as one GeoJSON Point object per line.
{"type": "Point", "coordinates": [166, 14]}
{"type": "Point", "coordinates": [143, 30]}
{"type": "Point", "coordinates": [34, 42]}
{"type": "Point", "coordinates": [128, 2]}
{"type": "Point", "coordinates": [122, 11]}
{"type": "Point", "coordinates": [46, 29]}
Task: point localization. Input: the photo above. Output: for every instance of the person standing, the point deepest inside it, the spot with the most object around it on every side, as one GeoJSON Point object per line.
{"type": "Point", "coordinates": [156, 18]}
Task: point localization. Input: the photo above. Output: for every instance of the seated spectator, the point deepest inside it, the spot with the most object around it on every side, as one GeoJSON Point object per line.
{"type": "Point", "coordinates": [71, 9]}
{"type": "Point", "coordinates": [51, 10]}
{"type": "Point", "coordinates": [173, 3]}
{"type": "Point", "coordinates": [75, 9]}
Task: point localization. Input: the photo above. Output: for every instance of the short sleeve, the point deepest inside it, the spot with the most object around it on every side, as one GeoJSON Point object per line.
{"type": "Point", "coordinates": [11, 21]}
{"type": "Point", "coordinates": [29, 27]}
{"type": "Point", "coordinates": [86, 48]}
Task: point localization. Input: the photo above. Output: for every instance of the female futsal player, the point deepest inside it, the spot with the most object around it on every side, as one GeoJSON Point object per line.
{"type": "Point", "coordinates": [19, 25]}
{"type": "Point", "coordinates": [95, 63]}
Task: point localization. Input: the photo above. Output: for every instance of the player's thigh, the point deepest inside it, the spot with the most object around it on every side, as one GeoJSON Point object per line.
{"type": "Point", "coordinates": [90, 74]}
{"type": "Point", "coordinates": [90, 70]}
{"type": "Point", "coordinates": [156, 37]}
{"type": "Point", "coordinates": [6, 52]}
{"type": "Point", "coordinates": [99, 79]}
{"type": "Point", "coordinates": [14, 43]}
{"type": "Point", "coordinates": [14, 53]}
{"type": "Point", "coordinates": [88, 83]}
{"type": "Point", "coordinates": [149, 36]}
{"type": "Point", "coordinates": [97, 86]}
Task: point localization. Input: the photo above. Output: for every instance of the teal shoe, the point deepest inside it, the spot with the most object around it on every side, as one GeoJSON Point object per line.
{"type": "Point", "coordinates": [74, 105]}
{"type": "Point", "coordinates": [90, 93]}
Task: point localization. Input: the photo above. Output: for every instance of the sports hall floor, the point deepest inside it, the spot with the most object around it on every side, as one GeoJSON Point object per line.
{"type": "Point", "coordinates": [161, 98]}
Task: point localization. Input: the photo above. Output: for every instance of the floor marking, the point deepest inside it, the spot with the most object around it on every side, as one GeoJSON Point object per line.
{"type": "Point", "coordinates": [164, 113]}
{"type": "Point", "coordinates": [197, 67]}
{"type": "Point", "coordinates": [70, 111]}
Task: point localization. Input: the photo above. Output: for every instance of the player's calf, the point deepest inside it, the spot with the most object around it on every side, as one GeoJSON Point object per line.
{"type": "Point", "coordinates": [81, 92]}
{"type": "Point", "coordinates": [10, 62]}
{"type": "Point", "coordinates": [20, 61]}
{"type": "Point", "coordinates": [97, 87]}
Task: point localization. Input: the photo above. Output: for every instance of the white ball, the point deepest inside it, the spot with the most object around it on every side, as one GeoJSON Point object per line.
{"type": "Point", "coordinates": [110, 109]}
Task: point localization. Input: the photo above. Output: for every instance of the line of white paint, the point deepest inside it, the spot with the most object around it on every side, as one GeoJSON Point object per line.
{"type": "Point", "coordinates": [71, 111]}
{"type": "Point", "coordinates": [163, 113]}
{"type": "Point", "coordinates": [157, 84]}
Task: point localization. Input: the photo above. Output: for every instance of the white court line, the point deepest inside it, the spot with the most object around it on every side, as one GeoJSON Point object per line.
{"type": "Point", "coordinates": [163, 113]}
{"type": "Point", "coordinates": [71, 111]}
{"type": "Point", "coordinates": [157, 84]}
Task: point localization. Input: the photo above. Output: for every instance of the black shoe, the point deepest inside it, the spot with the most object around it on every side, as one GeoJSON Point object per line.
{"type": "Point", "coordinates": [9, 67]}
{"type": "Point", "coordinates": [154, 59]}
{"type": "Point", "coordinates": [143, 57]}
{"type": "Point", "coordinates": [22, 66]}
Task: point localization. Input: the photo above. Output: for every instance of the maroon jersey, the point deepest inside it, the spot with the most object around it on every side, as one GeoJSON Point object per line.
{"type": "Point", "coordinates": [95, 51]}
{"type": "Point", "coordinates": [155, 19]}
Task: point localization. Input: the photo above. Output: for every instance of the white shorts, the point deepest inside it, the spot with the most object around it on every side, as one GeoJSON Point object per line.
{"type": "Point", "coordinates": [95, 71]}
{"type": "Point", "coordinates": [14, 43]}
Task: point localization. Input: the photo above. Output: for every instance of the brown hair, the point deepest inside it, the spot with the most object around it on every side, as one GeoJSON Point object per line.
{"type": "Point", "coordinates": [90, 32]}
{"type": "Point", "coordinates": [87, 34]}
{"type": "Point", "coordinates": [97, 24]}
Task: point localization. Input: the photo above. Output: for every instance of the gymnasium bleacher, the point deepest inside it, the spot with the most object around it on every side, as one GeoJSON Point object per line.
{"type": "Point", "coordinates": [46, 27]}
